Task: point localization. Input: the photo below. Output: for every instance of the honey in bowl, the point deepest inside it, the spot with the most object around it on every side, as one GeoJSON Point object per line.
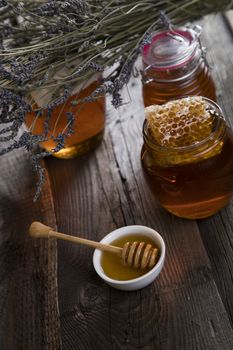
{"type": "Point", "coordinates": [112, 263]}
{"type": "Point", "coordinates": [187, 156]}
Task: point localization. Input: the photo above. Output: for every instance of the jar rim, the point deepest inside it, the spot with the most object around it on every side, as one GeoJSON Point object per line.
{"type": "Point", "coordinates": [196, 145]}
{"type": "Point", "coordinates": [175, 57]}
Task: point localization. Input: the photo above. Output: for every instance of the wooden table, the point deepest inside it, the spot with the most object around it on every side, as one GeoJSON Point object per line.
{"type": "Point", "coordinates": [190, 305]}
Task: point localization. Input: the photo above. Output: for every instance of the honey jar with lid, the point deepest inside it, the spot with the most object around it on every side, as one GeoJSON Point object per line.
{"type": "Point", "coordinates": [175, 66]}
{"type": "Point", "coordinates": [187, 156]}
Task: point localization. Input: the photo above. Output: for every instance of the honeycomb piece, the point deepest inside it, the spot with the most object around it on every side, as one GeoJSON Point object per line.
{"type": "Point", "coordinates": [180, 122]}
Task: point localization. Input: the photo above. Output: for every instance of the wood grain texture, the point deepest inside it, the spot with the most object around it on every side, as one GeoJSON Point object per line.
{"type": "Point", "coordinates": [104, 190]}
{"type": "Point", "coordinates": [28, 268]}
{"type": "Point", "coordinates": [217, 231]}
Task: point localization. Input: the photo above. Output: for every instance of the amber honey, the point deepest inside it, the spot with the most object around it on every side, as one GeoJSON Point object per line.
{"type": "Point", "coordinates": [188, 162]}
{"type": "Point", "coordinates": [112, 264]}
{"type": "Point", "coordinates": [198, 83]}
{"type": "Point", "coordinates": [88, 126]}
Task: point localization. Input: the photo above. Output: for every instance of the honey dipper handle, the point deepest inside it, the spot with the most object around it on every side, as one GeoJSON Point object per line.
{"type": "Point", "coordinates": [39, 230]}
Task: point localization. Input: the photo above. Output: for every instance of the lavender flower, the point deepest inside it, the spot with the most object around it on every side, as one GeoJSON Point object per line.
{"type": "Point", "coordinates": [166, 21]}
{"type": "Point", "coordinates": [3, 3]}
{"type": "Point", "coordinates": [16, 109]}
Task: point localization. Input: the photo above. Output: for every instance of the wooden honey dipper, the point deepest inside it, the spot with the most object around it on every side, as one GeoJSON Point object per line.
{"type": "Point", "coordinates": [137, 254]}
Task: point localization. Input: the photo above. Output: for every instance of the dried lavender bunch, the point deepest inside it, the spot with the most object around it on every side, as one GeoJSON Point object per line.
{"type": "Point", "coordinates": [38, 38]}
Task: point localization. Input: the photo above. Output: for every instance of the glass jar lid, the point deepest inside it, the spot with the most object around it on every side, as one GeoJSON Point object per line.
{"type": "Point", "coordinates": [171, 49]}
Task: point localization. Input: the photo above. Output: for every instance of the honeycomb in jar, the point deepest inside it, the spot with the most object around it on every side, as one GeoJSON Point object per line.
{"type": "Point", "coordinates": [180, 122]}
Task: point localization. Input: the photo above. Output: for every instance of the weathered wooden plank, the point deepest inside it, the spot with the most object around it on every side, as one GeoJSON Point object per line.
{"type": "Point", "coordinates": [229, 19]}
{"type": "Point", "coordinates": [105, 190]}
{"type": "Point", "coordinates": [179, 318]}
{"type": "Point", "coordinates": [216, 232]}
{"type": "Point", "coordinates": [28, 272]}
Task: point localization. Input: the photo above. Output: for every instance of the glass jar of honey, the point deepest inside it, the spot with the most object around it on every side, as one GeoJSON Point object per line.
{"type": "Point", "coordinates": [175, 66]}
{"type": "Point", "coordinates": [88, 127]}
{"type": "Point", "coordinates": [187, 156]}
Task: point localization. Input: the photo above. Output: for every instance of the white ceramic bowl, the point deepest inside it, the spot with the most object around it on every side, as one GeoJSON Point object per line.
{"type": "Point", "coordinates": [147, 278]}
